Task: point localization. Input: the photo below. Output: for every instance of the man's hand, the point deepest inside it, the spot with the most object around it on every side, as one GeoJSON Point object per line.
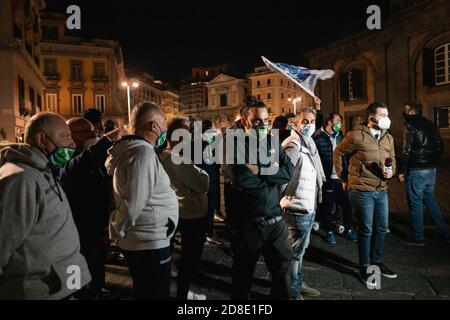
{"type": "Point", "coordinates": [401, 177]}
{"type": "Point", "coordinates": [115, 135]}
{"type": "Point", "coordinates": [388, 175]}
{"type": "Point", "coordinates": [345, 185]}
{"type": "Point", "coordinates": [253, 168]}
{"type": "Point", "coordinates": [318, 103]}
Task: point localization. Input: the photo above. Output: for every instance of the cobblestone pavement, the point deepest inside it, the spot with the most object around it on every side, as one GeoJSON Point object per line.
{"type": "Point", "coordinates": [423, 273]}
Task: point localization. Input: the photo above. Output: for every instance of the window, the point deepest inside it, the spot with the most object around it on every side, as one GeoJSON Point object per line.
{"type": "Point", "coordinates": [442, 64]}
{"type": "Point", "coordinates": [441, 116]}
{"type": "Point", "coordinates": [223, 100]}
{"type": "Point", "coordinates": [352, 85]}
{"type": "Point", "coordinates": [21, 94]}
{"type": "Point", "coordinates": [51, 102]}
{"type": "Point", "coordinates": [100, 102]}
{"type": "Point", "coordinates": [32, 98]}
{"type": "Point", "coordinates": [269, 96]}
{"type": "Point", "coordinates": [75, 70]}
{"type": "Point", "coordinates": [281, 81]}
{"type": "Point", "coordinates": [259, 97]}
{"type": "Point", "coordinates": [50, 68]}
{"type": "Point", "coordinates": [99, 70]}
{"type": "Point", "coordinates": [269, 82]}
{"type": "Point", "coordinates": [49, 32]}
{"type": "Point", "coordinates": [282, 96]}
{"type": "Point", "coordinates": [282, 110]}
{"type": "Point", "coordinates": [258, 84]}
{"type": "Point", "coordinates": [39, 102]}
{"type": "Point", "coordinates": [77, 103]}
{"type": "Point", "coordinates": [270, 110]}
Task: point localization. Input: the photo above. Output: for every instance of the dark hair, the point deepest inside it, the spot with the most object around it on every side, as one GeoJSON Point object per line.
{"type": "Point", "coordinates": [330, 118]}
{"type": "Point", "coordinates": [372, 109]}
{"type": "Point", "coordinates": [174, 124]}
{"type": "Point", "coordinates": [94, 116]}
{"type": "Point", "coordinates": [416, 106]}
{"type": "Point", "coordinates": [280, 123]}
{"type": "Point", "coordinates": [249, 103]}
{"type": "Point", "coordinates": [206, 125]}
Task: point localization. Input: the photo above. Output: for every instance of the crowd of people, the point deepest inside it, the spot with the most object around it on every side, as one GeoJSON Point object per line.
{"type": "Point", "coordinates": [75, 187]}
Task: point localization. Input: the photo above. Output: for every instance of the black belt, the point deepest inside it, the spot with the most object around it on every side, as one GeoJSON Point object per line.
{"type": "Point", "coordinates": [267, 220]}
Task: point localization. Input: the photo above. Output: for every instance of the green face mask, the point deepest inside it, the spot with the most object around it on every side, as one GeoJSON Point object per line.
{"type": "Point", "coordinates": [262, 132]}
{"type": "Point", "coordinates": [337, 127]}
{"type": "Point", "coordinates": [61, 155]}
{"type": "Point", "coordinates": [291, 127]}
{"type": "Point", "coordinates": [210, 139]}
{"type": "Point", "coordinates": [162, 139]}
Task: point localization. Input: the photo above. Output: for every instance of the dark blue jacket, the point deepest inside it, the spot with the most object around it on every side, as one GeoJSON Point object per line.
{"type": "Point", "coordinates": [325, 148]}
{"type": "Point", "coordinates": [89, 190]}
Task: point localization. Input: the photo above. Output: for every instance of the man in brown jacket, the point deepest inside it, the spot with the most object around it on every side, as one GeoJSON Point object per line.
{"type": "Point", "coordinates": [372, 163]}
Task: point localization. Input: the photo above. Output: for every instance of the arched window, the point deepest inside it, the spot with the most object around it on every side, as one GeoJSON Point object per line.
{"type": "Point", "coordinates": [352, 85]}
{"type": "Point", "coordinates": [442, 64]}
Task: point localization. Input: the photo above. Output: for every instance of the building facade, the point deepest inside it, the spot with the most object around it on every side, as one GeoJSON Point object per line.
{"type": "Point", "coordinates": [21, 81]}
{"type": "Point", "coordinates": [408, 59]}
{"type": "Point", "coordinates": [279, 94]}
{"type": "Point", "coordinates": [154, 91]}
{"type": "Point", "coordinates": [80, 73]}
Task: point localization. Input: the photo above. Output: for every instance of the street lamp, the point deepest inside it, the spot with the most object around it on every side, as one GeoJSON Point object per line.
{"type": "Point", "coordinates": [126, 84]}
{"type": "Point", "coordinates": [299, 99]}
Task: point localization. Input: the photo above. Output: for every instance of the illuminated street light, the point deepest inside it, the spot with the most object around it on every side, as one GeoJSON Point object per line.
{"type": "Point", "coordinates": [135, 85]}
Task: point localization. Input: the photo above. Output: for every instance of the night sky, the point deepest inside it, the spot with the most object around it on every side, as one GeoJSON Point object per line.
{"type": "Point", "coordinates": [167, 38]}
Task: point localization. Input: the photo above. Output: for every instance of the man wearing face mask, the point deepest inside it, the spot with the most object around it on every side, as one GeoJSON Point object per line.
{"type": "Point", "coordinates": [89, 190]}
{"type": "Point", "coordinates": [39, 243]}
{"type": "Point", "coordinates": [369, 146]}
{"type": "Point", "coordinates": [301, 195]}
{"type": "Point", "coordinates": [146, 207]}
{"type": "Point", "coordinates": [334, 190]}
{"type": "Point", "coordinates": [422, 147]}
{"type": "Point", "coordinates": [253, 213]}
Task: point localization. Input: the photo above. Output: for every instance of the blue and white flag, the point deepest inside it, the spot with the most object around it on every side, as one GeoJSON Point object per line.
{"type": "Point", "coordinates": [303, 77]}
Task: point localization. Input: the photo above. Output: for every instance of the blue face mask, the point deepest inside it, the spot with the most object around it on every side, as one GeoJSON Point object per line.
{"type": "Point", "coordinates": [309, 129]}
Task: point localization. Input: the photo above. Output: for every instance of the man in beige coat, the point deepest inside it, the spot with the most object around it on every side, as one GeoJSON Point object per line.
{"type": "Point", "coordinates": [372, 163]}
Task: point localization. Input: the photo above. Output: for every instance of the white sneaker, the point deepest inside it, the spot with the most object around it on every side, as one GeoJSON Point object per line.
{"type": "Point", "coordinates": [195, 296]}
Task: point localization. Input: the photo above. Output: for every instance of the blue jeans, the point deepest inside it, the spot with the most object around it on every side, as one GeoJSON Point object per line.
{"type": "Point", "coordinates": [300, 227]}
{"type": "Point", "coordinates": [420, 185]}
{"type": "Point", "coordinates": [372, 210]}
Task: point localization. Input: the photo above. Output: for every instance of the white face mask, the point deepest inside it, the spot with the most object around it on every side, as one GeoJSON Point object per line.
{"type": "Point", "coordinates": [384, 123]}
{"type": "Point", "coordinates": [309, 129]}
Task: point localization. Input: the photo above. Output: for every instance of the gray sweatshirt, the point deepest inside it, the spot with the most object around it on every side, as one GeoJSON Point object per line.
{"type": "Point", "coordinates": [191, 185]}
{"type": "Point", "coordinates": [146, 207]}
{"type": "Point", "coordinates": [39, 243]}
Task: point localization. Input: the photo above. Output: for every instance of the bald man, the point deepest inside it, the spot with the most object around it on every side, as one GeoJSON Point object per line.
{"type": "Point", "coordinates": [89, 190]}
{"type": "Point", "coordinates": [146, 207]}
{"type": "Point", "coordinates": [39, 244]}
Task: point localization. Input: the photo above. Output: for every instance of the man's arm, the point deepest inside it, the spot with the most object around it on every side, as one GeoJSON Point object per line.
{"type": "Point", "coordinates": [408, 138]}
{"type": "Point", "coordinates": [284, 174]}
{"type": "Point", "coordinates": [19, 198]}
{"type": "Point", "coordinates": [345, 148]}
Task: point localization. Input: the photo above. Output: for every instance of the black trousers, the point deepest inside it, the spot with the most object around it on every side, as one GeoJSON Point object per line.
{"type": "Point", "coordinates": [192, 243]}
{"type": "Point", "coordinates": [332, 191]}
{"type": "Point", "coordinates": [150, 271]}
{"type": "Point", "coordinates": [95, 253]}
{"type": "Point", "coordinates": [249, 242]}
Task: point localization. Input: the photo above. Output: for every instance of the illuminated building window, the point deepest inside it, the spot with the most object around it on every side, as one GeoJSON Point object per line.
{"type": "Point", "coordinates": [442, 64]}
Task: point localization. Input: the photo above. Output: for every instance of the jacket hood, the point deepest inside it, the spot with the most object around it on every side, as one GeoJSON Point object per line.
{"type": "Point", "coordinates": [123, 147]}
{"type": "Point", "coordinates": [25, 154]}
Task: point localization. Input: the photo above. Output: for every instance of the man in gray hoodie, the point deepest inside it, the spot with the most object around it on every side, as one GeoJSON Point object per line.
{"type": "Point", "coordinates": [39, 244]}
{"type": "Point", "coordinates": [191, 185]}
{"type": "Point", "coordinates": [146, 207]}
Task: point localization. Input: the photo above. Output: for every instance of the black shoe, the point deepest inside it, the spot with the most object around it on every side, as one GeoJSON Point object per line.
{"type": "Point", "coordinates": [414, 242]}
{"type": "Point", "coordinates": [364, 276]}
{"type": "Point", "coordinates": [385, 272]}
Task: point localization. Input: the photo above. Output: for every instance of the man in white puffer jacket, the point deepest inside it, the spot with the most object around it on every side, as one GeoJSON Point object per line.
{"type": "Point", "coordinates": [301, 195]}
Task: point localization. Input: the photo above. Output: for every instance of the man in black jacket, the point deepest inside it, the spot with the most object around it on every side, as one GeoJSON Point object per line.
{"type": "Point", "coordinates": [255, 217]}
{"type": "Point", "coordinates": [422, 147]}
{"type": "Point", "coordinates": [89, 190]}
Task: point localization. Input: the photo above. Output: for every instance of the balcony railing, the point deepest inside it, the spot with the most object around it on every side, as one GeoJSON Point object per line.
{"type": "Point", "coordinates": [52, 76]}
{"type": "Point", "coordinates": [98, 78]}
